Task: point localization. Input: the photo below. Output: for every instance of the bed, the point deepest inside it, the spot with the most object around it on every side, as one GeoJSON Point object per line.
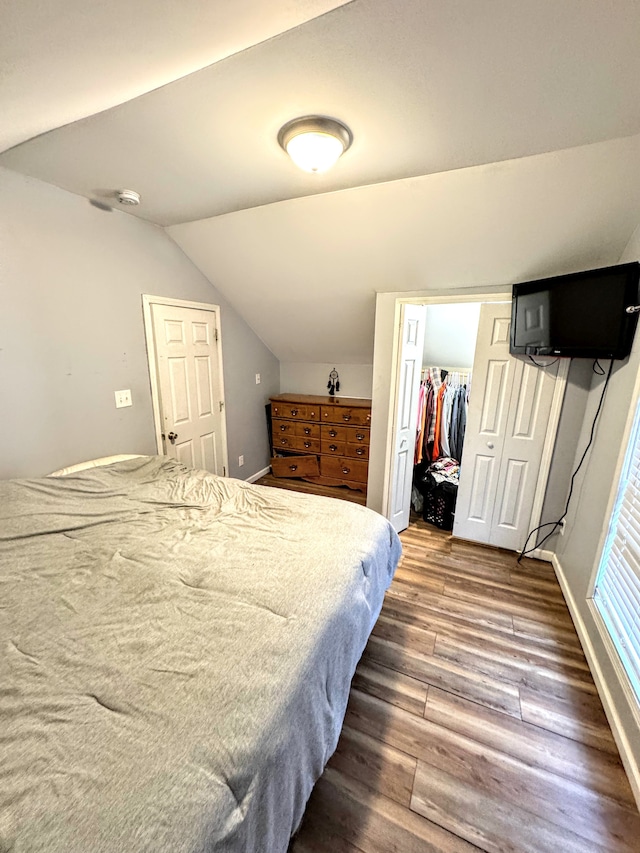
{"type": "Point", "coordinates": [177, 650]}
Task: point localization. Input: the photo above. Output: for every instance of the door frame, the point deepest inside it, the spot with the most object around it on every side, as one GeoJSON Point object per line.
{"type": "Point", "coordinates": [386, 374]}
{"type": "Point", "coordinates": [152, 358]}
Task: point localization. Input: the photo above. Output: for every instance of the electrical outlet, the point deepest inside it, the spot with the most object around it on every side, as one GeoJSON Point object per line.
{"type": "Point", "coordinates": [258, 380]}
{"type": "Point", "coordinates": [123, 398]}
{"type": "Point", "coordinates": [240, 461]}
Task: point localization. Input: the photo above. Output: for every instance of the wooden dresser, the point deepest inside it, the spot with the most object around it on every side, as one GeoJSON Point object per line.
{"type": "Point", "coordinates": [321, 439]}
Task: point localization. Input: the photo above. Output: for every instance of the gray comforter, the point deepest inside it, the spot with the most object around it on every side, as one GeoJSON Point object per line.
{"type": "Point", "coordinates": [176, 653]}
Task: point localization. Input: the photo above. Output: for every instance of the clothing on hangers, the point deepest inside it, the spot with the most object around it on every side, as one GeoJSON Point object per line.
{"type": "Point", "coordinates": [442, 410]}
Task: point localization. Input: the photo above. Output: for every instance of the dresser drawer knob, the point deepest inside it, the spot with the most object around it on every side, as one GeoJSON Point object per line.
{"type": "Point", "coordinates": [360, 436]}
{"type": "Point", "coordinates": [293, 467]}
{"type": "Point", "coordinates": [346, 470]}
{"type": "Point", "coordinates": [294, 412]}
{"type": "Point", "coordinates": [312, 415]}
{"type": "Point", "coordinates": [332, 433]}
{"type": "Point", "coordinates": [346, 417]}
{"type": "Point", "coordinates": [284, 441]}
{"type": "Point", "coordinates": [282, 428]}
{"type": "Point", "coordinates": [359, 450]}
{"type": "Point", "coordinates": [307, 430]}
{"type": "Point", "coordinates": [369, 416]}
{"type": "Point", "coordinates": [333, 447]}
{"type": "Point", "coordinates": [307, 444]}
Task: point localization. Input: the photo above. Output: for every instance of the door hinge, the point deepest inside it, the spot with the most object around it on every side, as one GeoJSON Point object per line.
{"type": "Point", "coordinates": [216, 332]}
{"type": "Point", "coordinates": [221, 405]}
{"type": "Point", "coordinates": [224, 471]}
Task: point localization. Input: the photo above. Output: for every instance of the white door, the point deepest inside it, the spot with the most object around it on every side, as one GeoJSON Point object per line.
{"type": "Point", "coordinates": [411, 348]}
{"type": "Point", "coordinates": [505, 436]}
{"type": "Point", "coordinates": [191, 403]}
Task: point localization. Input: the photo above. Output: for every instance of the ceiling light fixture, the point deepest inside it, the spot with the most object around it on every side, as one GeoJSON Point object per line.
{"type": "Point", "coordinates": [315, 143]}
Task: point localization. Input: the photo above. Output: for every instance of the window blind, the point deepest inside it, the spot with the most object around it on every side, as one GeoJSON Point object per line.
{"type": "Point", "coordinates": [617, 588]}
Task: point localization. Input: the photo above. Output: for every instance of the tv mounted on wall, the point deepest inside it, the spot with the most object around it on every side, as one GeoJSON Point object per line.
{"type": "Point", "coordinates": [581, 315]}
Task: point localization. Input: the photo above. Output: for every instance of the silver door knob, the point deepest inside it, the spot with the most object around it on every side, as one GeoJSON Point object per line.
{"type": "Point", "coordinates": [490, 445]}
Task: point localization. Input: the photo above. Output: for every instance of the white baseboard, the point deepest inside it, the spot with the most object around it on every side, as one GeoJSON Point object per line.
{"type": "Point", "coordinates": [620, 736]}
{"type": "Point", "coordinates": [257, 476]}
{"type": "Point", "coordinates": [542, 554]}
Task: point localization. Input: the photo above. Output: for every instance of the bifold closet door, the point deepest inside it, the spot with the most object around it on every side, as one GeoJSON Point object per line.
{"type": "Point", "coordinates": [506, 431]}
{"type": "Point", "coordinates": [410, 353]}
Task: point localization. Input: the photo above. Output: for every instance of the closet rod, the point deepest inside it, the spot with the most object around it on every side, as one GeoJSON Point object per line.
{"type": "Point", "coordinates": [448, 369]}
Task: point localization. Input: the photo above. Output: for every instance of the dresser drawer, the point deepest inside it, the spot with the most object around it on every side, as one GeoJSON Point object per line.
{"type": "Point", "coordinates": [333, 432]}
{"type": "Point", "coordinates": [290, 428]}
{"type": "Point", "coordinates": [283, 442]}
{"type": "Point", "coordinates": [337, 433]}
{"type": "Point", "coordinates": [296, 442]}
{"type": "Point", "coordinates": [357, 435]}
{"type": "Point", "coordinates": [357, 451]}
{"type": "Point", "coordinates": [306, 445]}
{"type": "Point", "coordinates": [333, 446]}
{"type": "Point", "coordinates": [342, 468]}
{"type": "Point", "coordinates": [295, 411]}
{"type": "Point", "coordinates": [295, 466]}
{"type": "Point", "coordinates": [307, 430]}
{"type": "Point", "coordinates": [345, 415]}
{"type": "Point", "coordinates": [283, 428]}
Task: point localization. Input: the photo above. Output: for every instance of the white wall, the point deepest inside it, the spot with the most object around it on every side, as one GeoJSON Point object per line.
{"type": "Point", "coordinates": [450, 334]}
{"type": "Point", "coordinates": [578, 551]}
{"type": "Point", "coordinates": [71, 333]}
{"type": "Point", "coordinates": [356, 380]}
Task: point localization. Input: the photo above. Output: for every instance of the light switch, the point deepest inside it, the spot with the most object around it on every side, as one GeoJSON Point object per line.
{"type": "Point", "coordinates": [123, 398]}
{"type": "Point", "coordinates": [257, 379]}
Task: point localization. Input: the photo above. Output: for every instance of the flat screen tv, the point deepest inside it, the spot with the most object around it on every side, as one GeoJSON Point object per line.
{"type": "Point", "coordinates": [581, 315]}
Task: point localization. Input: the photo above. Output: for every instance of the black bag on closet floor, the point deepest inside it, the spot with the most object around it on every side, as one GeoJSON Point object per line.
{"type": "Point", "coordinates": [439, 498]}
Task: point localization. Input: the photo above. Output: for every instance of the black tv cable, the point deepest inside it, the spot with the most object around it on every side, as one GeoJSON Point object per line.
{"type": "Point", "coordinates": [556, 524]}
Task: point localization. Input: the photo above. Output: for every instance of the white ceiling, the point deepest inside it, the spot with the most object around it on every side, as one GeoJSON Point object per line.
{"type": "Point", "coordinates": [62, 60]}
{"type": "Point", "coordinates": [425, 86]}
{"type": "Point", "coordinates": [432, 91]}
{"type": "Point", "coordinates": [304, 272]}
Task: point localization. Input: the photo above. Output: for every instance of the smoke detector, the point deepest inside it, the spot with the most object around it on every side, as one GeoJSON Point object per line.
{"type": "Point", "coordinates": [128, 197]}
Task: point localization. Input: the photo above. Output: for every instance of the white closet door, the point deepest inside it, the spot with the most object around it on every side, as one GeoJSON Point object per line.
{"type": "Point", "coordinates": [411, 347]}
{"type": "Point", "coordinates": [493, 374]}
{"type": "Point", "coordinates": [506, 432]}
{"type": "Point", "coordinates": [525, 435]}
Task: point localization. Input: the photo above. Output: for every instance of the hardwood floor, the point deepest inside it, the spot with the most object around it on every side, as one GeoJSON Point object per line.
{"type": "Point", "coordinates": [473, 721]}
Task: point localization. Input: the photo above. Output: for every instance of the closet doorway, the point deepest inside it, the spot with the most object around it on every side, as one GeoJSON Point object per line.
{"type": "Point", "coordinates": [511, 411]}
{"type": "Point", "coordinates": [451, 331]}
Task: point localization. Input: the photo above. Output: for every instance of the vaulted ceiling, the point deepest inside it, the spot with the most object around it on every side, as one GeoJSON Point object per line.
{"type": "Point", "coordinates": [493, 141]}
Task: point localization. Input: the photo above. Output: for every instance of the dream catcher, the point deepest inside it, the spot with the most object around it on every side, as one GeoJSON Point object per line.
{"type": "Point", "coordinates": [334, 382]}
